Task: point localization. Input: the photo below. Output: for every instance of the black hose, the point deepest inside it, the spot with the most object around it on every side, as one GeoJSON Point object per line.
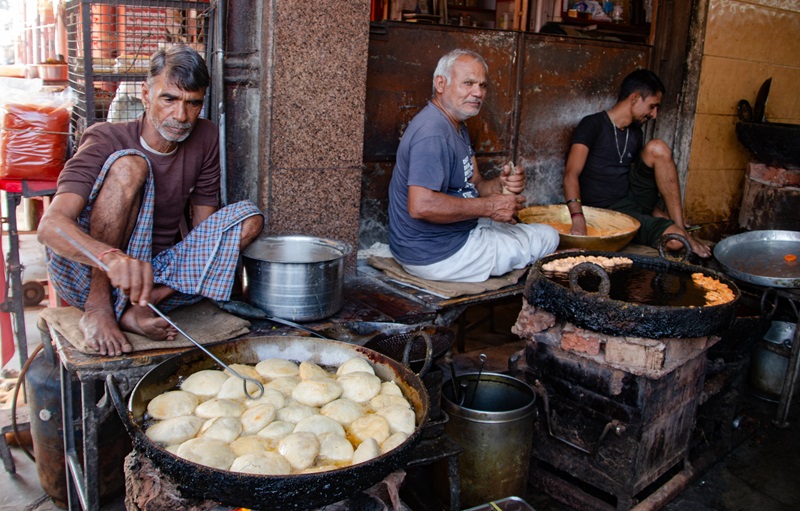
{"type": "Point", "coordinates": [21, 378]}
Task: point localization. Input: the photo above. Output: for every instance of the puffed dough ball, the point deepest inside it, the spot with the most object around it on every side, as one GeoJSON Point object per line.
{"type": "Point", "coordinates": [343, 411]}
{"type": "Point", "coordinates": [244, 370]}
{"type": "Point", "coordinates": [174, 403]}
{"type": "Point", "coordinates": [269, 397]}
{"type": "Point", "coordinates": [355, 364]}
{"type": "Point", "coordinates": [266, 463]}
{"type": "Point", "coordinates": [370, 426]}
{"type": "Point", "coordinates": [359, 386]}
{"type": "Point", "coordinates": [208, 452]}
{"type": "Point", "coordinates": [295, 412]}
{"type": "Point", "coordinates": [367, 450]}
{"type": "Point", "coordinates": [250, 444]}
{"type": "Point", "coordinates": [394, 440]}
{"type": "Point", "coordinates": [205, 383]}
{"type": "Point", "coordinates": [219, 408]}
{"type": "Point", "coordinates": [335, 448]}
{"type": "Point", "coordinates": [299, 449]}
{"type": "Point", "coordinates": [317, 392]}
{"type": "Point", "coordinates": [233, 389]}
{"type": "Point", "coordinates": [173, 448]}
{"type": "Point", "coordinates": [400, 418]}
{"type": "Point", "coordinates": [386, 400]}
{"type": "Point", "coordinates": [311, 371]}
{"type": "Point", "coordinates": [277, 368]}
{"type": "Point", "coordinates": [391, 388]}
{"type": "Point", "coordinates": [225, 429]}
{"type": "Point", "coordinates": [284, 385]}
{"type": "Point", "coordinates": [175, 430]}
{"type": "Point", "coordinates": [319, 425]}
{"type": "Point", "coordinates": [275, 431]}
{"type": "Point", "coordinates": [256, 418]}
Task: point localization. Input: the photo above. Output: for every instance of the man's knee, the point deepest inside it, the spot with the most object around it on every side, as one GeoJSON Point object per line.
{"type": "Point", "coordinates": [656, 150]}
{"type": "Point", "coordinates": [251, 228]}
{"type": "Point", "coordinates": [131, 169]}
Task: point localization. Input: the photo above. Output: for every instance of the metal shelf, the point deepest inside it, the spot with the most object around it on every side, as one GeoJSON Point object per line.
{"type": "Point", "coordinates": [102, 35]}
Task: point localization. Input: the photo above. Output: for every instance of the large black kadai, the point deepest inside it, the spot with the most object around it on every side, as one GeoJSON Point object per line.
{"type": "Point", "coordinates": [672, 309]}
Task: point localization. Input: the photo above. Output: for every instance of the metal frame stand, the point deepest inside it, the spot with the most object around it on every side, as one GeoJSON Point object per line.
{"type": "Point", "coordinates": [793, 368]}
{"type": "Point", "coordinates": [13, 302]}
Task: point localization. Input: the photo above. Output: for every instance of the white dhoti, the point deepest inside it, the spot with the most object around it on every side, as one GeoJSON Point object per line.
{"type": "Point", "coordinates": [492, 249]}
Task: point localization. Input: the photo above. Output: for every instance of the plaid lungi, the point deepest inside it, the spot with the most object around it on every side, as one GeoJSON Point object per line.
{"type": "Point", "coordinates": [201, 265]}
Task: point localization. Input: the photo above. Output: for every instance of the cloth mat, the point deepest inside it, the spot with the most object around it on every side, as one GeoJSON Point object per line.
{"type": "Point", "coordinates": [204, 321]}
{"type": "Point", "coordinates": [445, 289]}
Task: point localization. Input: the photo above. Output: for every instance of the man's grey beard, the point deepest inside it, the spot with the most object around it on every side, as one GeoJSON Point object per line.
{"type": "Point", "coordinates": [167, 135]}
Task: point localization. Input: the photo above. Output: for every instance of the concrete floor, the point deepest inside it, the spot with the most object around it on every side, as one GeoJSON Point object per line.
{"type": "Point", "coordinates": [762, 473]}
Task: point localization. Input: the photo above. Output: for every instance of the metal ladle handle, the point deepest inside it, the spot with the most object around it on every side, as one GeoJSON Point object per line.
{"type": "Point", "coordinates": [103, 266]}
{"type": "Point", "coordinates": [483, 359]}
{"type": "Point", "coordinates": [217, 360]}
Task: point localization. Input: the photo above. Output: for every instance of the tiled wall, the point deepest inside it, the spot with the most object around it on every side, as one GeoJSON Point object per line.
{"type": "Point", "coordinates": [746, 42]}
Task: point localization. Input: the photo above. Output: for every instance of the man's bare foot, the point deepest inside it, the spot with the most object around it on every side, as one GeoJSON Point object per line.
{"type": "Point", "coordinates": [142, 320]}
{"type": "Point", "coordinates": [102, 333]}
{"type": "Point", "coordinates": [698, 247]}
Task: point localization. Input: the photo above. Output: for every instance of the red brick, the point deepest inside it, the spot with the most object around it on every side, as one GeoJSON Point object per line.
{"type": "Point", "coordinates": [773, 175]}
{"type": "Point", "coordinates": [579, 340]}
{"type": "Point", "coordinates": [532, 320]}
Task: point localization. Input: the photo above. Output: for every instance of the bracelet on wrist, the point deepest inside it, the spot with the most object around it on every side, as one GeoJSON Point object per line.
{"type": "Point", "coordinates": [573, 200]}
{"type": "Point", "coordinates": [577, 213]}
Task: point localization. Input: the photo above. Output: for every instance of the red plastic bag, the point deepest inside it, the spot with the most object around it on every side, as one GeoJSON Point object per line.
{"type": "Point", "coordinates": [34, 134]}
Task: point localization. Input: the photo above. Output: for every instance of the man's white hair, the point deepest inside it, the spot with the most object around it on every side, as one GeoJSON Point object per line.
{"type": "Point", "coordinates": [445, 66]}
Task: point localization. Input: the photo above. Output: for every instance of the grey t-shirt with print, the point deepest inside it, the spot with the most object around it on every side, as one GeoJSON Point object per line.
{"type": "Point", "coordinates": [433, 155]}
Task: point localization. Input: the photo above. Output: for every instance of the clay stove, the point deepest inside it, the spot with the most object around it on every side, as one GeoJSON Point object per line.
{"type": "Point", "coordinates": [615, 413]}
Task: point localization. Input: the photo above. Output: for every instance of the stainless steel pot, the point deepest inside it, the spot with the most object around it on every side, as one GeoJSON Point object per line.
{"type": "Point", "coordinates": [770, 359]}
{"type": "Point", "coordinates": [300, 278]}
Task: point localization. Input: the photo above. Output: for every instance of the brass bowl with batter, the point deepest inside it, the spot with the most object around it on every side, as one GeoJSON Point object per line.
{"type": "Point", "coordinates": [607, 230]}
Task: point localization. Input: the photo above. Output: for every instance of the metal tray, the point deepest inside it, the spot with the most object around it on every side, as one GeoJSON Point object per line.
{"type": "Point", "coordinates": [757, 257]}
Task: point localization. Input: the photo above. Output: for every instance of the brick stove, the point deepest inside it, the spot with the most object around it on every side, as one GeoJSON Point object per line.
{"type": "Point", "coordinates": [615, 413]}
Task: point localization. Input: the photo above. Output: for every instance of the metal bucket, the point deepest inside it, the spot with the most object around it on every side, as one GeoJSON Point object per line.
{"type": "Point", "coordinates": [493, 423]}
{"type": "Point", "coordinates": [299, 278]}
{"type": "Point", "coordinates": [770, 359]}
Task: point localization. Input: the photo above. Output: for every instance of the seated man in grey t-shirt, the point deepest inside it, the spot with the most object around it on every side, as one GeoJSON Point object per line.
{"type": "Point", "coordinates": [446, 222]}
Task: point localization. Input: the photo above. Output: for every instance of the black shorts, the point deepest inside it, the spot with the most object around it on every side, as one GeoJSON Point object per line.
{"type": "Point", "coordinates": [642, 199]}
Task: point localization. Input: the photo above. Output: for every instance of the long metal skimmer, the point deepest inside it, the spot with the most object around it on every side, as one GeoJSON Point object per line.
{"type": "Point", "coordinates": [104, 267]}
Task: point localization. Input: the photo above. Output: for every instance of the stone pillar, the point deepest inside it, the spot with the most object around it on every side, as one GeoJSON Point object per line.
{"type": "Point", "coordinates": [313, 90]}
